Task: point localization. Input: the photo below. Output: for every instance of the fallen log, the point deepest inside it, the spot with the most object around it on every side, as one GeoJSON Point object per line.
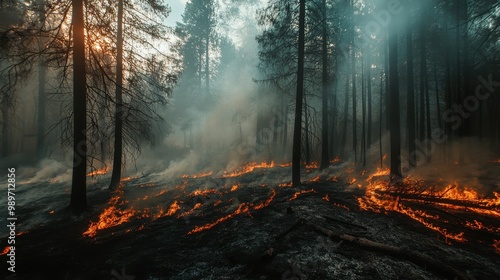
{"type": "Point", "coordinates": [434, 199]}
{"type": "Point", "coordinates": [416, 257]}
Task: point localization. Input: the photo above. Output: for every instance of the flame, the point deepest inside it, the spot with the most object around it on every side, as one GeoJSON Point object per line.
{"type": "Point", "coordinates": [377, 198]}
{"type": "Point", "coordinates": [111, 216]}
{"type": "Point", "coordinates": [286, 164]}
{"type": "Point", "coordinates": [335, 159]}
{"type": "Point", "coordinates": [235, 187]}
{"type": "Point", "coordinates": [126, 179]}
{"type": "Point", "coordinates": [352, 181]}
{"type": "Point", "coordinates": [247, 168]}
{"type": "Point", "coordinates": [265, 203]}
{"type": "Point", "coordinates": [5, 251]}
{"type": "Point", "coordinates": [285, 185]}
{"type": "Point", "coordinates": [341, 206]}
{"type": "Point", "coordinates": [326, 198]}
{"type": "Point", "coordinates": [315, 179]}
{"type": "Point", "coordinates": [187, 213]}
{"type": "Point", "coordinates": [173, 208]}
{"type": "Point", "coordinates": [496, 245]}
{"type": "Point", "coordinates": [242, 208]}
{"type": "Point", "coordinates": [312, 165]}
{"type": "Point", "coordinates": [96, 172]}
{"type": "Point", "coordinates": [51, 212]}
{"type": "Point", "coordinates": [295, 195]}
{"type": "Point", "coordinates": [202, 192]}
{"type": "Point", "coordinates": [199, 175]}
{"type": "Point", "coordinates": [333, 179]}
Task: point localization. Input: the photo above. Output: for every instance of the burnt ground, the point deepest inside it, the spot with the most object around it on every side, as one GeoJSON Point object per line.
{"type": "Point", "coordinates": [278, 241]}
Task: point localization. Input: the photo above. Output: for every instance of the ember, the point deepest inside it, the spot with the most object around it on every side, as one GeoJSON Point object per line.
{"type": "Point", "coordinates": [96, 172]}
{"type": "Point", "coordinates": [249, 167]}
{"type": "Point", "coordinates": [199, 175]}
{"type": "Point", "coordinates": [295, 195]}
{"type": "Point", "coordinates": [5, 251]}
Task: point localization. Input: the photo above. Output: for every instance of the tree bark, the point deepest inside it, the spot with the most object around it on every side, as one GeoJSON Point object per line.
{"type": "Point", "coordinates": [298, 99]}
{"type": "Point", "coordinates": [78, 202]}
{"type": "Point", "coordinates": [394, 102]}
{"type": "Point", "coordinates": [118, 153]}
{"type": "Point", "coordinates": [325, 159]}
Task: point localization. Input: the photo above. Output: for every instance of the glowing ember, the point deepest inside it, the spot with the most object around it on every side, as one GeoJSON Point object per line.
{"type": "Point", "coordinates": [111, 216]}
{"type": "Point", "coordinates": [96, 172]}
{"type": "Point", "coordinates": [295, 195]}
{"type": "Point", "coordinates": [496, 245]}
{"type": "Point", "coordinates": [352, 181]}
{"type": "Point", "coordinates": [249, 167]}
{"type": "Point", "coordinates": [287, 164]}
{"type": "Point", "coordinates": [341, 206]}
{"type": "Point", "coordinates": [316, 179]}
{"type": "Point", "coordinates": [173, 208]}
{"type": "Point", "coordinates": [243, 208]}
{"type": "Point", "coordinates": [235, 187]}
{"type": "Point", "coordinates": [326, 198]}
{"type": "Point", "coordinates": [51, 212]}
{"type": "Point", "coordinates": [202, 192]}
{"type": "Point", "coordinates": [333, 179]}
{"type": "Point", "coordinates": [187, 213]}
{"type": "Point", "coordinates": [199, 175]}
{"type": "Point", "coordinates": [335, 159]}
{"type": "Point", "coordinates": [126, 179]}
{"type": "Point", "coordinates": [265, 203]}
{"type": "Point", "coordinates": [312, 165]}
{"type": "Point", "coordinates": [477, 225]}
{"type": "Point", "coordinates": [285, 185]}
{"type": "Point", "coordinates": [380, 172]}
{"type": "Point", "coordinates": [5, 251]}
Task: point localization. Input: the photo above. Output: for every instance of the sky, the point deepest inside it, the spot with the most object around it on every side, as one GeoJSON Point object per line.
{"type": "Point", "coordinates": [177, 7]}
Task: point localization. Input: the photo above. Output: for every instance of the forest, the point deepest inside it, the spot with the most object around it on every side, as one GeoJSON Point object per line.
{"type": "Point", "coordinates": [250, 139]}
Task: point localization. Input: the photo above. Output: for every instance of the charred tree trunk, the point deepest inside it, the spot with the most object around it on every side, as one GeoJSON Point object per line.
{"type": "Point", "coordinates": [394, 103]}
{"type": "Point", "coordinates": [410, 101]}
{"type": "Point", "coordinates": [40, 137]}
{"type": "Point", "coordinates": [298, 98]}
{"type": "Point", "coordinates": [118, 154]}
{"type": "Point", "coordinates": [207, 64]}
{"type": "Point", "coordinates": [354, 101]}
{"type": "Point", "coordinates": [325, 159]}
{"type": "Point", "coordinates": [78, 202]}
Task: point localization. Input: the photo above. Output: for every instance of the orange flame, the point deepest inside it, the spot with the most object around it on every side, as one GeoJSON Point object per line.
{"type": "Point", "coordinates": [312, 165]}
{"type": "Point", "coordinates": [326, 198]}
{"type": "Point", "coordinates": [199, 175]}
{"type": "Point", "coordinates": [96, 172]}
{"type": "Point", "coordinates": [187, 213]}
{"type": "Point", "coordinates": [5, 251]}
{"type": "Point", "coordinates": [285, 185]}
{"type": "Point", "coordinates": [265, 203]}
{"type": "Point", "coordinates": [247, 168]}
{"type": "Point", "coordinates": [496, 245]}
{"type": "Point", "coordinates": [243, 208]}
{"type": "Point", "coordinates": [235, 187]}
{"type": "Point", "coordinates": [335, 159]}
{"type": "Point", "coordinates": [173, 208]}
{"type": "Point", "coordinates": [295, 195]}
{"type": "Point", "coordinates": [315, 179]}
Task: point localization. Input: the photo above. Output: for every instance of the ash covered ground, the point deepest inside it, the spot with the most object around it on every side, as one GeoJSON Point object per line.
{"type": "Point", "coordinates": [251, 225]}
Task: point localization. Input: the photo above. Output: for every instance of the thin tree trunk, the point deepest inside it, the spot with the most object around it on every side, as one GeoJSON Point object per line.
{"type": "Point", "coordinates": [78, 202]}
{"type": "Point", "coordinates": [298, 98]}
{"type": "Point", "coordinates": [325, 159]}
{"type": "Point", "coordinates": [207, 64]}
{"type": "Point", "coordinates": [118, 154]}
{"type": "Point", "coordinates": [410, 100]}
{"type": "Point", "coordinates": [394, 103]}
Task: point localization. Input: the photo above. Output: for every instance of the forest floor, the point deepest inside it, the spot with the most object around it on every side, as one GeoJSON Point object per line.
{"type": "Point", "coordinates": [241, 227]}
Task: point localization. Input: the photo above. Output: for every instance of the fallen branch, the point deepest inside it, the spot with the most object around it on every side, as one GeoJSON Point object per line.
{"type": "Point", "coordinates": [418, 258]}
{"type": "Point", "coordinates": [434, 199]}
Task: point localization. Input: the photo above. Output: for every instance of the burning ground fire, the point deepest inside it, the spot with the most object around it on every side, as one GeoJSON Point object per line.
{"type": "Point", "coordinates": [250, 167]}
{"type": "Point", "coordinates": [416, 200]}
{"type": "Point", "coordinates": [96, 172]}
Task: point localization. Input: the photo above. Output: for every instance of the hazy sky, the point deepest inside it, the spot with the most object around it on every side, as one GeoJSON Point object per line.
{"type": "Point", "coordinates": [177, 7]}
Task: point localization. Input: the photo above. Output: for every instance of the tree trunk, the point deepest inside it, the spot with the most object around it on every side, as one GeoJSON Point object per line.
{"type": "Point", "coordinates": [325, 159]}
{"type": "Point", "coordinates": [410, 101]}
{"type": "Point", "coordinates": [354, 101]}
{"type": "Point", "coordinates": [40, 145]}
{"type": "Point", "coordinates": [78, 202]}
{"type": "Point", "coordinates": [118, 153]}
{"type": "Point", "coordinates": [394, 102]}
{"type": "Point", "coordinates": [298, 99]}
{"type": "Point", "coordinates": [207, 64]}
